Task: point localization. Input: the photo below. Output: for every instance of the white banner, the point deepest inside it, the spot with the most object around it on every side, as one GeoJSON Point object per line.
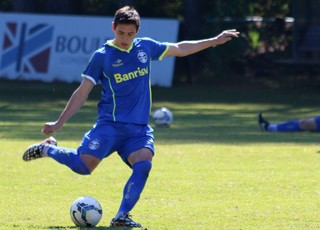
{"type": "Point", "coordinates": [48, 48]}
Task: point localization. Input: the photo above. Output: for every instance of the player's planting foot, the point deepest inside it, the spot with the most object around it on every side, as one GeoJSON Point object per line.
{"type": "Point", "coordinates": [124, 221]}
{"type": "Point", "coordinates": [263, 123]}
{"type": "Point", "coordinates": [36, 151]}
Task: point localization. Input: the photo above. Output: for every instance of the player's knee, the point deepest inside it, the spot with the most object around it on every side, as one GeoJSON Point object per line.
{"type": "Point", "coordinates": [143, 167]}
{"type": "Point", "coordinates": [80, 167]}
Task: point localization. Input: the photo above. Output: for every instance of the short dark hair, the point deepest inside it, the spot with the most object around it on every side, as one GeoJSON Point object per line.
{"type": "Point", "coordinates": [127, 15]}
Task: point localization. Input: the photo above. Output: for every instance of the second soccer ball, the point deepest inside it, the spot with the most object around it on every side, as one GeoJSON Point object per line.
{"type": "Point", "coordinates": [162, 117]}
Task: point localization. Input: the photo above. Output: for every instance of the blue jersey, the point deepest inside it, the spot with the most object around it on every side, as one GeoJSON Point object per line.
{"type": "Point", "coordinates": [125, 78]}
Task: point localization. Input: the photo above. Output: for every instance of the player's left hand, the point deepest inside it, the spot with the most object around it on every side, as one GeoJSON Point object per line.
{"type": "Point", "coordinates": [226, 36]}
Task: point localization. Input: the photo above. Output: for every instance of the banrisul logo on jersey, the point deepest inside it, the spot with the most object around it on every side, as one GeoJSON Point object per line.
{"type": "Point", "coordinates": [26, 47]}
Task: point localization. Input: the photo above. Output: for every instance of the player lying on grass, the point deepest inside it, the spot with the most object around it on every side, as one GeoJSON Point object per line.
{"type": "Point", "coordinates": [122, 66]}
{"type": "Point", "coordinates": [307, 124]}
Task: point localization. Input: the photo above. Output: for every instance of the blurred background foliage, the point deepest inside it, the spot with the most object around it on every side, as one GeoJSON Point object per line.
{"type": "Point", "coordinates": [266, 37]}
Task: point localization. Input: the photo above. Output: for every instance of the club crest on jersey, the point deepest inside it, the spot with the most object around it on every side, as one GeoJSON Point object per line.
{"type": "Point", "coordinates": [94, 145]}
{"type": "Point", "coordinates": [143, 57]}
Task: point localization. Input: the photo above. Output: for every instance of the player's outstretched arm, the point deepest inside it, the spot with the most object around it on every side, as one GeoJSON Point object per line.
{"type": "Point", "coordinates": [75, 102]}
{"type": "Point", "coordinates": [185, 48]}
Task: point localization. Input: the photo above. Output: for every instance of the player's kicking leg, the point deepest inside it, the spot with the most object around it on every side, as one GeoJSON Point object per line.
{"type": "Point", "coordinates": [36, 151]}
{"type": "Point", "coordinates": [69, 157]}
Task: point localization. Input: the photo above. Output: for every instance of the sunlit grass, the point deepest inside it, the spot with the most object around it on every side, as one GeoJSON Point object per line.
{"type": "Point", "coordinates": [213, 169]}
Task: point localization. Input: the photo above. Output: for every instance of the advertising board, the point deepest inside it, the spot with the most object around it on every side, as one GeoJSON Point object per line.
{"type": "Point", "coordinates": [50, 47]}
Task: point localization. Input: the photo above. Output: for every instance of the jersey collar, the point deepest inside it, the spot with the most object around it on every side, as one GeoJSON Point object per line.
{"type": "Point", "coordinates": [109, 42]}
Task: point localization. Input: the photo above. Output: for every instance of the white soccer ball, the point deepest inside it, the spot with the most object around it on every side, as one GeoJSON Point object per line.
{"type": "Point", "coordinates": [86, 211]}
{"type": "Point", "coordinates": [162, 117]}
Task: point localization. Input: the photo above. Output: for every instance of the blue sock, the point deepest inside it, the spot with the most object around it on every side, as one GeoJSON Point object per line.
{"type": "Point", "coordinates": [68, 157]}
{"type": "Point", "coordinates": [290, 126]}
{"type": "Point", "coordinates": [135, 185]}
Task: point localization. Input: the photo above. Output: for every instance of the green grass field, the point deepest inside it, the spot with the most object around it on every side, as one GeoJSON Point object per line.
{"type": "Point", "coordinates": [213, 169]}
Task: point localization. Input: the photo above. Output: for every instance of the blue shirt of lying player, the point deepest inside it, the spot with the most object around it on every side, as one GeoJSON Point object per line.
{"type": "Point", "coordinates": [125, 77]}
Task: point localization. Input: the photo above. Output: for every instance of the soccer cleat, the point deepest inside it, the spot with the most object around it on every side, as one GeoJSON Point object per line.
{"type": "Point", "coordinates": [35, 151]}
{"type": "Point", "coordinates": [264, 124]}
{"type": "Point", "coordinates": [124, 221]}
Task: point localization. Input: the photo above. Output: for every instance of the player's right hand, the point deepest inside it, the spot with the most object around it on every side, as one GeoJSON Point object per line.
{"type": "Point", "coordinates": [50, 127]}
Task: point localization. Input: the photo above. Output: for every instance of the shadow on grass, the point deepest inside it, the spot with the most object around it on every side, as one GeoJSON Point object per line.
{"type": "Point", "coordinates": [84, 228]}
{"type": "Point", "coordinates": [26, 106]}
{"type": "Point", "coordinates": [99, 228]}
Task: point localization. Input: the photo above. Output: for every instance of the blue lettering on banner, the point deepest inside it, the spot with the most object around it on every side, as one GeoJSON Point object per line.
{"type": "Point", "coordinates": [76, 44]}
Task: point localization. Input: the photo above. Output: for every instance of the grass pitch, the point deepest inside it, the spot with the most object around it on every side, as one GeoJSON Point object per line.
{"type": "Point", "coordinates": [213, 169]}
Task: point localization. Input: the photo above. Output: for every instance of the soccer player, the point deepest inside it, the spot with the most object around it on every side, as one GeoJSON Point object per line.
{"type": "Point", "coordinates": [122, 65]}
{"type": "Point", "coordinates": [307, 124]}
